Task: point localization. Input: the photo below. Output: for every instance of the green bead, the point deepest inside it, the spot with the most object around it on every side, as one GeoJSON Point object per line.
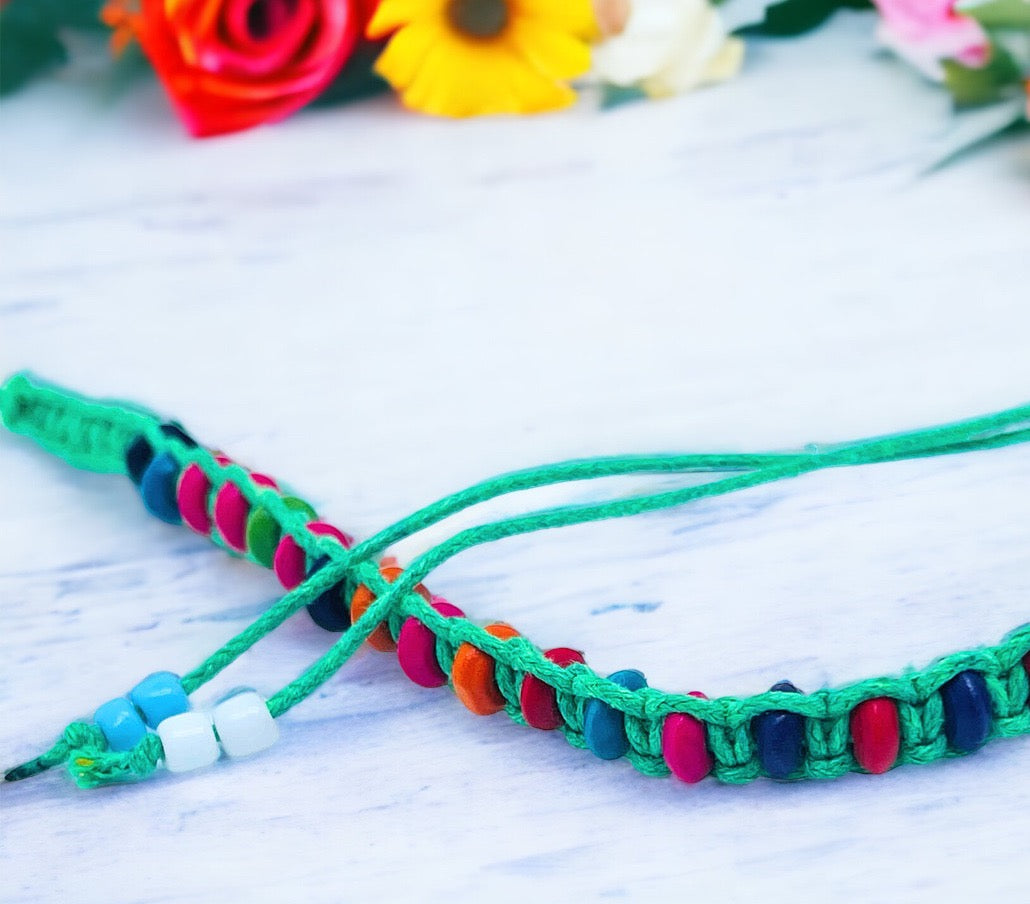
{"type": "Point", "coordinates": [264, 532]}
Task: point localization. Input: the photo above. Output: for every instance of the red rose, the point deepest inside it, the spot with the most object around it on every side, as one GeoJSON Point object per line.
{"type": "Point", "coordinates": [232, 64]}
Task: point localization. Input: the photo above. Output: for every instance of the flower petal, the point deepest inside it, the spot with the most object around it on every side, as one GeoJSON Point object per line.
{"type": "Point", "coordinates": [555, 53]}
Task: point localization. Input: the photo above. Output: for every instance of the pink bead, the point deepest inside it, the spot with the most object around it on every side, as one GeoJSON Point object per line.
{"type": "Point", "coordinates": [684, 746]}
{"type": "Point", "coordinates": [231, 510]}
{"type": "Point", "coordinates": [192, 494]}
{"type": "Point", "coordinates": [327, 530]}
{"type": "Point", "coordinates": [290, 563]}
{"type": "Point", "coordinates": [191, 497]}
{"type": "Point", "coordinates": [416, 647]}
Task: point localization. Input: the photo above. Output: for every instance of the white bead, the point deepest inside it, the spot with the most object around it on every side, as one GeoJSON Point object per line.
{"type": "Point", "coordinates": [189, 741]}
{"type": "Point", "coordinates": [244, 724]}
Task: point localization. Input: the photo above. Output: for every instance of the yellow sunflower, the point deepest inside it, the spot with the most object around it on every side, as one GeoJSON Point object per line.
{"type": "Point", "coordinates": [470, 57]}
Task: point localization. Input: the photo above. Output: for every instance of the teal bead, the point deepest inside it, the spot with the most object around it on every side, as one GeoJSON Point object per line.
{"type": "Point", "coordinates": [159, 488]}
{"type": "Point", "coordinates": [604, 727]}
{"type": "Point", "coordinates": [121, 724]}
{"type": "Point", "coordinates": [159, 696]}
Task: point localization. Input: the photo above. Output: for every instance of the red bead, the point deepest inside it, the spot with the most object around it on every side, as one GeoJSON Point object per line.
{"type": "Point", "coordinates": [538, 700]}
{"type": "Point", "coordinates": [231, 510]}
{"type": "Point", "coordinates": [416, 647]}
{"type": "Point", "coordinates": [876, 734]}
{"type": "Point", "coordinates": [685, 747]}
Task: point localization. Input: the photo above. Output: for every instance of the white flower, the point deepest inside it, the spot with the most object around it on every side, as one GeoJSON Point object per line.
{"type": "Point", "coordinates": [666, 47]}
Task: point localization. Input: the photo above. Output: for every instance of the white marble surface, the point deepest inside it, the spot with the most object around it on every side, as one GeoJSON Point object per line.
{"type": "Point", "coordinates": [381, 308]}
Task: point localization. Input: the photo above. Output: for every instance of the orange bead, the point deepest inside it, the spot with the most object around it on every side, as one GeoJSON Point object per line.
{"type": "Point", "coordinates": [380, 638]}
{"type": "Point", "coordinates": [472, 674]}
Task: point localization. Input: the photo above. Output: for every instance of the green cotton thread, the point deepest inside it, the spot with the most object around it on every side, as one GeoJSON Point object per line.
{"type": "Point", "coordinates": [727, 719]}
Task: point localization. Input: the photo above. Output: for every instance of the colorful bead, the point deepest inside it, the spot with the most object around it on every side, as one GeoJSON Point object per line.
{"type": "Point", "coordinates": [538, 700]}
{"type": "Point", "coordinates": [329, 609]}
{"type": "Point", "coordinates": [189, 741]}
{"type": "Point", "coordinates": [244, 724]}
{"type": "Point", "coordinates": [138, 454]}
{"type": "Point", "coordinates": [158, 488]}
{"type": "Point", "coordinates": [231, 510]}
{"type": "Point", "coordinates": [684, 746]}
{"type": "Point", "coordinates": [191, 497]}
{"type": "Point", "coordinates": [380, 639]}
{"type": "Point", "coordinates": [604, 727]}
{"type": "Point", "coordinates": [290, 561]}
{"type": "Point", "coordinates": [263, 532]}
{"type": "Point", "coordinates": [967, 711]}
{"type": "Point", "coordinates": [121, 724]}
{"type": "Point", "coordinates": [159, 696]}
{"type": "Point", "coordinates": [473, 674]}
{"type": "Point", "coordinates": [780, 737]}
{"type": "Point", "coordinates": [876, 734]}
{"type": "Point", "coordinates": [416, 647]}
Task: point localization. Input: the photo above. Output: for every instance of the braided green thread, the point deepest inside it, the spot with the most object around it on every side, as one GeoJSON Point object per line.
{"type": "Point", "coordinates": [828, 735]}
{"type": "Point", "coordinates": [85, 433]}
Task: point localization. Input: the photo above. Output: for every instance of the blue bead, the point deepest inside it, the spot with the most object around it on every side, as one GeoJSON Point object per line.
{"type": "Point", "coordinates": [967, 711]}
{"type": "Point", "coordinates": [604, 727]}
{"type": "Point", "coordinates": [158, 488]}
{"type": "Point", "coordinates": [780, 737]}
{"type": "Point", "coordinates": [329, 609]}
{"type": "Point", "coordinates": [138, 454]}
{"type": "Point", "coordinates": [159, 696]}
{"type": "Point", "coordinates": [120, 723]}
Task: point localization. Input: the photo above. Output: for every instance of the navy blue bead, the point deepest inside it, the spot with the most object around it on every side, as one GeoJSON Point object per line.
{"type": "Point", "coordinates": [329, 609]}
{"type": "Point", "coordinates": [138, 455]}
{"type": "Point", "coordinates": [780, 737]}
{"type": "Point", "coordinates": [967, 711]}
{"type": "Point", "coordinates": [158, 488]}
{"type": "Point", "coordinates": [174, 428]}
{"type": "Point", "coordinates": [604, 727]}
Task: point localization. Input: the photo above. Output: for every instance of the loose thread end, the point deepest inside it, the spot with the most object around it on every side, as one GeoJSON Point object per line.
{"type": "Point", "coordinates": [26, 770]}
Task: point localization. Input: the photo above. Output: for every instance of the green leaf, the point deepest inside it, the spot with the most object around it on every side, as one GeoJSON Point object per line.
{"type": "Point", "coordinates": [29, 39]}
{"type": "Point", "coordinates": [26, 49]}
{"type": "Point", "coordinates": [613, 96]}
{"type": "Point", "coordinates": [999, 13]}
{"type": "Point", "coordinates": [357, 80]}
{"type": "Point", "coordinates": [973, 128]}
{"type": "Point", "coordinates": [973, 86]}
{"type": "Point", "coordinates": [789, 18]}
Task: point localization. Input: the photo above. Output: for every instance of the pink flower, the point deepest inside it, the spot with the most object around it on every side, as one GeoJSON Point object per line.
{"type": "Point", "coordinates": [925, 32]}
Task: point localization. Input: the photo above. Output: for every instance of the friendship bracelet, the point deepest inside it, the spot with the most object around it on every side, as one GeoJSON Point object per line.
{"type": "Point", "coordinates": [951, 707]}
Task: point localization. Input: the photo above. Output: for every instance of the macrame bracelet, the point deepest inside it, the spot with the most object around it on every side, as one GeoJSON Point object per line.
{"type": "Point", "coordinates": [949, 708]}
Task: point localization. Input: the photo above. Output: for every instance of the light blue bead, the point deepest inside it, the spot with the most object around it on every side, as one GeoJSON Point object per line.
{"type": "Point", "coordinates": [159, 696]}
{"type": "Point", "coordinates": [121, 724]}
{"type": "Point", "coordinates": [604, 727]}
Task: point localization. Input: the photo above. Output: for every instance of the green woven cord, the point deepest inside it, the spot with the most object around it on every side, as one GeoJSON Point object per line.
{"type": "Point", "coordinates": [87, 434]}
